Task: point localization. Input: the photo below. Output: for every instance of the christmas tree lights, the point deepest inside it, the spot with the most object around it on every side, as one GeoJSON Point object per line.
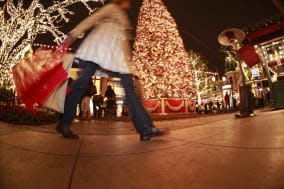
{"type": "Point", "coordinates": [159, 57]}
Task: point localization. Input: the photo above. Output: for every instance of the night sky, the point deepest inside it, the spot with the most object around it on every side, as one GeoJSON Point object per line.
{"type": "Point", "coordinates": [201, 21]}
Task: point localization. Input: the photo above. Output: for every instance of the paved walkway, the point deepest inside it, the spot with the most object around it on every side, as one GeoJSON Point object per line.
{"type": "Point", "coordinates": [215, 152]}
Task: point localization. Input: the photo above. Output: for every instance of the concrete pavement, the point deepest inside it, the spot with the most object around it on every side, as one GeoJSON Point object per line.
{"type": "Point", "coordinates": [205, 152]}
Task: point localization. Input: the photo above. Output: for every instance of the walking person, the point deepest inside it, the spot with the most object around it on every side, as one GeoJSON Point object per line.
{"type": "Point", "coordinates": [89, 91]}
{"type": "Point", "coordinates": [110, 96]}
{"type": "Point", "coordinates": [227, 101]}
{"type": "Point", "coordinates": [106, 48]}
{"type": "Point", "coordinates": [85, 108]}
{"type": "Point", "coordinates": [98, 101]}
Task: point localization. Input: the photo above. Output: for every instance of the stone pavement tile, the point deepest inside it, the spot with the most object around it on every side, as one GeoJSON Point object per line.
{"type": "Point", "coordinates": [92, 127]}
{"type": "Point", "coordinates": [116, 127]}
{"type": "Point", "coordinates": [103, 127]}
{"type": "Point", "coordinates": [194, 134]}
{"type": "Point", "coordinates": [3, 125]}
{"type": "Point", "coordinates": [257, 132]}
{"type": "Point", "coordinates": [197, 121]}
{"type": "Point", "coordinates": [47, 128]}
{"type": "Point", "coordinates": [183, 167]}
{"type": "Point", "coordinates": [219, 153]}
{"type": "Point", "coordinates": [6, 131]}
{"type": "Point", "coordinates": [124, 144]}
{"type": "Point", "coordinates": [40, 142]}
{"type": "Point", "coordinates": [21, 169]}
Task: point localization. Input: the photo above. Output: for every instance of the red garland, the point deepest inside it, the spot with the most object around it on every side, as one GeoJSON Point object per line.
{"type": "Point", "coordinates": [174, 105]}
{"type": "Point", "coordinates": [174, 102]}
{"type": "Point", "coordinates": [152, 105]}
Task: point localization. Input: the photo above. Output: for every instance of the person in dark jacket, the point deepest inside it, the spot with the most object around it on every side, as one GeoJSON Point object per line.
{"type": "Point", "coordinates": [110, 101]}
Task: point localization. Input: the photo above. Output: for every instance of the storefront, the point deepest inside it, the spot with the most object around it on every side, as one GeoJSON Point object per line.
{"type": "Point", "coordinates": [263, 53]}
{"type": "Point", "coordinates": [101, 85]}
{"type": "Point", "coordinates": [272, 56]}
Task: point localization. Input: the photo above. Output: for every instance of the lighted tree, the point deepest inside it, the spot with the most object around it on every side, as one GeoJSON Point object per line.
{"type": "Point", "coordinates": [203, 79]}
{"type": "Point", "coordinates": [19, 27]}
{"type": "Point", "coordinates": [159, 57]}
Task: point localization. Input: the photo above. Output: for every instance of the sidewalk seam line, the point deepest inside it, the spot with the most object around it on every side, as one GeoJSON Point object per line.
{"type": "Point", "coordinates": [75, 165]}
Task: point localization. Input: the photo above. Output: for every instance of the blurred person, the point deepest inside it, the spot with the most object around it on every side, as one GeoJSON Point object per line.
{"type": "Point", "coordinates": [106, 48]}
{"type": "Point", "coordinates": [110, 96]}
{"type": "Point", "coordinates": [227, 101]}
{"type": "Point", "coordinates": [85, 108]}
{"type": "Point", "coordinates": [89, 91]}
{"type": "Point", "coordinates": [98, 101]}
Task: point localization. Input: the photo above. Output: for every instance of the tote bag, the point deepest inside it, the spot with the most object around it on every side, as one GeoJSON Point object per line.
{"type": "Point", "coordinates": [57, 98]}
{"type": "Point", "coordinates": [38, 75]}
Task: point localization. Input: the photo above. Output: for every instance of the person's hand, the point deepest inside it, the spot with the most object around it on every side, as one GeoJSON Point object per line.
{"type": "Point", "coordinates": [67, 42]}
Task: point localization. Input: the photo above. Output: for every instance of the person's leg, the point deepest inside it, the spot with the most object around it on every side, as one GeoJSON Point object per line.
{"type": "Point", "coordinates": [87, 104]}
{"type": "Point", "coordinates": [77, 87]}
{"type": "Point", "coordinates": [94, 109]}
{"type": "Point", "coordinates": [83, 109]}
{"type": "Point", "coordinates": [138, 114]}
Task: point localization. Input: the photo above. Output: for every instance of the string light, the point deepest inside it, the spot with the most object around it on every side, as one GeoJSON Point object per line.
{"type": "Point", "coordinates": [159, 57]}
{"type": "Point", "coordinates": [51, 47]}
{"type": "Point", "coordinates": [20, 26]}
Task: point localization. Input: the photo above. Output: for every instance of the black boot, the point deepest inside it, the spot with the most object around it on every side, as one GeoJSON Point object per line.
{"type": "Point", "coordinates": [66, 132]}
{"type": "Point", "coordinates": [150, 132]}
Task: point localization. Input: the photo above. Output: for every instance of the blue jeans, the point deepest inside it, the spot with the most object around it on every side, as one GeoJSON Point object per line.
{"type": "Point", "coordinates": [139, 116]}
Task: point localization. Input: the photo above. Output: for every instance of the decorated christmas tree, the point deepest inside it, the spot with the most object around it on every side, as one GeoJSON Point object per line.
{"type": "Point", "coordinates": [159, 57]}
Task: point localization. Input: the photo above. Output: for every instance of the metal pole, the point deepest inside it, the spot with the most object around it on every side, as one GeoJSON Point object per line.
{"type": "Point", "coordinates": [272, 95]}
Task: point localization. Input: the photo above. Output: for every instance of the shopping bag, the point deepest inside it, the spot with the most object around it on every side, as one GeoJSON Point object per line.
{"type": "Point", "coordinates": [38, 75]}
{"type": "Point", "coordinates": [57, 98]}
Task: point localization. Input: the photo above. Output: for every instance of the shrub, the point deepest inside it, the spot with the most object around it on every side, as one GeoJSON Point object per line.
{"type": "Point", "coordinates": [7, 95]}
{"type": "Point", "coordinates": [20, 115]}
{"type": "Point", "coordinates": [12, 113]}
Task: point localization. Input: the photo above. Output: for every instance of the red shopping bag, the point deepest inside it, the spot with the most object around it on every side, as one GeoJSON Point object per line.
{"type": "Point", "coordinates": [38, 75]}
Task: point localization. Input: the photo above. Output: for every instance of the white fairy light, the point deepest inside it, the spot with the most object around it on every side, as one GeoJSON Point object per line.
{"type": "Point", "coordinates": [19, 27]}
